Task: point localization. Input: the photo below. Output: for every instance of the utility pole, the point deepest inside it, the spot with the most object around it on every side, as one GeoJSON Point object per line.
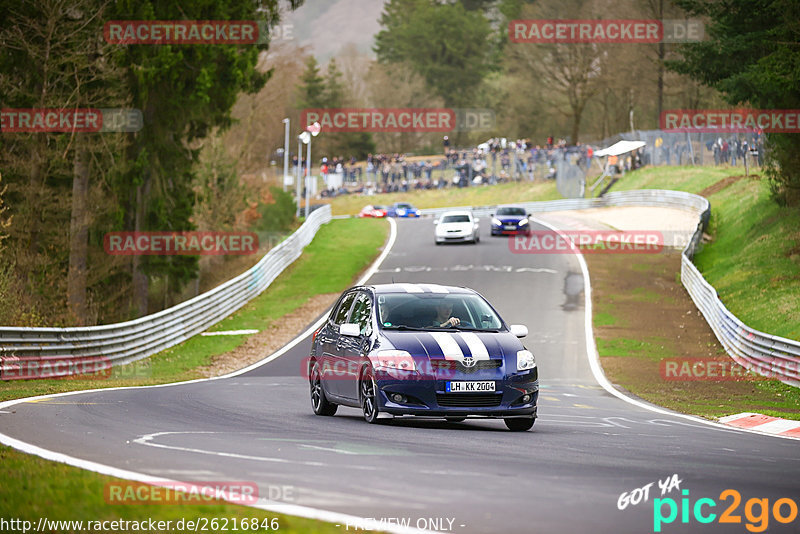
{"type": "Point", "coordinates": [286, 154]}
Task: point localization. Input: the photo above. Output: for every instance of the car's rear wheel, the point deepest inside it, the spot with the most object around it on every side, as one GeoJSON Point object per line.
{"type": "Point", "coordinates": [369, 395]}
{"type": "Point", "coordinates": [319, 402]}
{"type": "Point", "coordinates": [519, 424]}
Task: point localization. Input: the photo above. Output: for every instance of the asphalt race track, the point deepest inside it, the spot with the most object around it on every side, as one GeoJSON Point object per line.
{"type": "Point", "coordinates": [563, 476]}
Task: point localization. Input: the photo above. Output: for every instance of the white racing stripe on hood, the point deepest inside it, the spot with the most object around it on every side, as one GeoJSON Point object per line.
{"type": "Point", "coordinates": [449, 346]}
{"type": "Point", "coordinates": [476, 346]}
{"type": "Point", "coordinates": [410, 288]}
{"type": "Point", "coordinates": [434, 288]}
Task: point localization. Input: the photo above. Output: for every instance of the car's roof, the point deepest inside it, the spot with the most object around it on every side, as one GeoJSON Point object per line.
{"type": "Point", "coordinates": [457, 212]}
{"type": "Point", "coordinates": [383, 289]}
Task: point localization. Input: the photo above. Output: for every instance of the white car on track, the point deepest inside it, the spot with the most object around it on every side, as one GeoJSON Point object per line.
{"type": "Point", "coordinates": [456, 226]}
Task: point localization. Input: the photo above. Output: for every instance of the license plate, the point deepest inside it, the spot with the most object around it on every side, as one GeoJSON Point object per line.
{"type": "Point", "coordinates": [509, 227]}
{"type": "Point", "coordinates": [470, 387]}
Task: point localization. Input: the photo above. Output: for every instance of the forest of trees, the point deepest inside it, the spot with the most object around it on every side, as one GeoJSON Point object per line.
{"type": "Point", "coordinates": [212, 117]}
{"type": "Point", "coordinates": [66, 190]}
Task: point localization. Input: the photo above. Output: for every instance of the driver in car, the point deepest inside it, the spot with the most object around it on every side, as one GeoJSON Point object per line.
{"type": "Point", "coordinates": [443, 318]}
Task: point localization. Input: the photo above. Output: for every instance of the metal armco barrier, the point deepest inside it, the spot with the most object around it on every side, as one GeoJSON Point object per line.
{"type": "Point", "coordinates": [763, 353]}
{"type": "Point", "coordinates": [120, 343]}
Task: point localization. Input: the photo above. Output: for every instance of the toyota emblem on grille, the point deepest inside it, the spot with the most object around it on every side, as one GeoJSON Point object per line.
{"type": "Point", "coordinates": [468, 362]}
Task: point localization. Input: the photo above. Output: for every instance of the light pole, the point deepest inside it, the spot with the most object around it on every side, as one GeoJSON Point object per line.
{"type": "Point", "coordinates": [286, 154]}
{"type": "Point", "coordinates": [298, 170]}
{"type": "Point", "coordinates": [305, 137]}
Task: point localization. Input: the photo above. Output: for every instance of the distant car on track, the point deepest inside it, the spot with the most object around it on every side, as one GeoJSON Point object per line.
{"type": "Point", "coordinates": [456, 226]}
{"type": "Point", "coordinates": [390, 351]}
{"type": "Point", "coordinates": [402, 209]}
{"type": "Point", "coordinates": [373, 211]}
{"type": "Point", "coordinates": [511, 220]}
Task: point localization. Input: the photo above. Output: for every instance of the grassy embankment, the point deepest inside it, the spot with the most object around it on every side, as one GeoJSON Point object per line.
{"type": "Point", "coordinates": [753, 260]}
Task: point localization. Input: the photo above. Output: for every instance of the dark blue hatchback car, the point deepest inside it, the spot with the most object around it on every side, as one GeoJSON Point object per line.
{"type": "Point", "coordinates": [422, 350]}
{"type": "Point", "coordinates": [510, 220]}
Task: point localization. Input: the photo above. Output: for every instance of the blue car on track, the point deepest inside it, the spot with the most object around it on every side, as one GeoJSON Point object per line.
{"type": "Point", "coordinates": [422, 350]}
{"type": "Point", "coordinates": [402, 209]}
{"type": "Point", "coordinates": [510, 220]}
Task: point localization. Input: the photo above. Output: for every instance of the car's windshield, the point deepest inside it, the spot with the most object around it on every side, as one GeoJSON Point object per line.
{"type": "Point", "coordinates": [511, 211]}
{"type": "Point", "coordinates": [455, 218]}
{"type": "Point", "coordinates": [404, 206]}
{"type": "Point", "coordinates": [415, 311]}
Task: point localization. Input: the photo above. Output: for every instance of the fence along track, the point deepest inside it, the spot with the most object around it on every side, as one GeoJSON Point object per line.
{"type": "Point", "coordinates": [122, 343]}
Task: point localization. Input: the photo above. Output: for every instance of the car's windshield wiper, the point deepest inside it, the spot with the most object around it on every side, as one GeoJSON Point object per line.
{"type": "Point", "coordinates": [403, 327]}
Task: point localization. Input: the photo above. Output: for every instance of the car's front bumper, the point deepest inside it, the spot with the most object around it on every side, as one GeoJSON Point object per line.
{"type": "Point", "coordinates": [505, 230]}
{"type": "Point", "coordinates": [454, 238]}
{"type": "Point", "coordinates": [425, 393]}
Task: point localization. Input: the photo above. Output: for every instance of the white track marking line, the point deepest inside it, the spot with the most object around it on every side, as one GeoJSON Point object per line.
{"type": "Point", "coordinates": [231, 332]}
{"type": "Point", "coordinates": [594, 357]}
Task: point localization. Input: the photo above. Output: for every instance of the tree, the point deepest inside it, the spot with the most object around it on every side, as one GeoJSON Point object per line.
{"type": "Point", "coordinates": [54, 56]}
{"type": "Point", "coordinates": [312, 88]}
{"type": "Point", "coordinates": [329, 91]}
{"type": "Point", "coordinates": [570, 75]}
{"type": "Point", "coordinates": [445, 43]}
{"type": "Point", "coordinates": [184, 91]}
{"type": "Point", "coordinates": [752, 58]}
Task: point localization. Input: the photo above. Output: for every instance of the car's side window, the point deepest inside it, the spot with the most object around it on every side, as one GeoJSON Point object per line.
{"type": "Point", "coordinates": [341, 312]}
{"type": "Point", "coordinates": [362, 313]}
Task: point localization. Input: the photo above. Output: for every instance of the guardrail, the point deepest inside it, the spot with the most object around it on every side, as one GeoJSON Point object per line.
{"type": "Point", "coordinates": [67, 351]}
{"type": "Point", "coordinates": [768, 355]}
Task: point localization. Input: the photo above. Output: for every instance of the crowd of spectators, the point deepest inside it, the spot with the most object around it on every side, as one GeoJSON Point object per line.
{"type": "Point", "coordinates": [495, 161]}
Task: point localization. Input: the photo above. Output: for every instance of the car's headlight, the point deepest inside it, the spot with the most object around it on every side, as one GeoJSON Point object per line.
{"type": "Point", "coordinates": [525, 360]}
{"type": "Point", "coordinates": [523, 222]}
{"type": "Point", "coordinates": [496, 221]}
{"type": "Point", "coordinates": [394, 359]}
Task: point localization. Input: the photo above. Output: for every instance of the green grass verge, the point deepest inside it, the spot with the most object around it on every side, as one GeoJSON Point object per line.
{"type": "Point", "coordinates": [33, 488]}
{"type": "Point", "coordinates": [753, 259]}
{"type": "Point", "coordinates": [482, 195]}
{"type": "Point", "coordinates": [328, 265]}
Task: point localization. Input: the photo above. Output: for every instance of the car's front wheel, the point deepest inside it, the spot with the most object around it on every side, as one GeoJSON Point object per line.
{"type": "Point", "coordinates": [369, 395]}
{"type": "Point", "coordinates": [320, 403]}
{"type": "Point", "coordinates": [519, 424]}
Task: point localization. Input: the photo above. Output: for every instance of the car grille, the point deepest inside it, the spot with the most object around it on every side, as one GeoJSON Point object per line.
{"type": "Point", "coordinates": [468, 400]}
{"type": "Point", "coordinates": [479, 365]}
{"type": "Point", "coordinates": [447, 367]}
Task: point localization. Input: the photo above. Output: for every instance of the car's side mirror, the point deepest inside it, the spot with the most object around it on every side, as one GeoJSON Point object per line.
{"type": "Point", "coordinates": [350, 329]}
{"type": "Point", "coordinates": [436, 221]}
{"type": "Point", "coordinates": [519, 330]}
{"type": "Point", "coordinates": [528, 215]}
{"type": "Point", "coordinates": [476, 220]}
{"type": "Point", "coordinates": [491, 215]}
